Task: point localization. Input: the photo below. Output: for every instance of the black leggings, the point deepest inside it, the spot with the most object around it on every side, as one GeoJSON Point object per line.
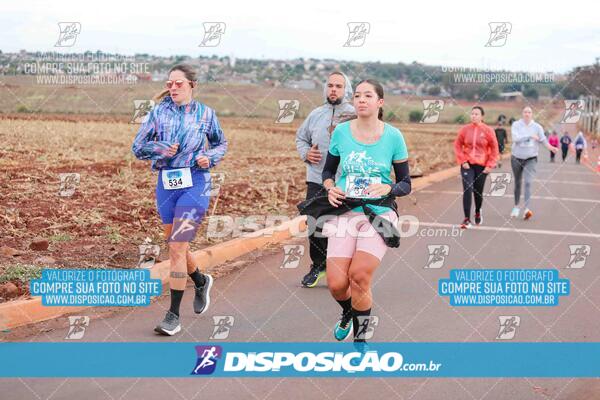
{"type": "Point", "coordinates": [565, 151]}
{"type": "Point", "coordinates": [318, 243]}
{"type": "Point", "coordinates": [473, 180]}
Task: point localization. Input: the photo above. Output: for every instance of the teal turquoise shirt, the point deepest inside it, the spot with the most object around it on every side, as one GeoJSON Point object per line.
{"type": "Point", "coordinates": [363, 164]}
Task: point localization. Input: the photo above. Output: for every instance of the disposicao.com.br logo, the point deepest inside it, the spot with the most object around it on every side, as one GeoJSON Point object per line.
{"type": "Point", "coordinates": [305, 363]}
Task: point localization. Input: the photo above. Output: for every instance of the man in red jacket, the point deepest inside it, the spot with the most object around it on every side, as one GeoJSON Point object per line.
{"type": "Point", "coordinates": [476, 150]}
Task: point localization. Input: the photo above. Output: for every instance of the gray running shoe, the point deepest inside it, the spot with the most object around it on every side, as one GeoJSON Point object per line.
{"type": "Point", "coordinates": [202, 297]}
{"type": "Point", "coordinates": [169, 326]}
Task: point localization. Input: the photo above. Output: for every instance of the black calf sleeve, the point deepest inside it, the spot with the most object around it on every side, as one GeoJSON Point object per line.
{"type": "Point", "coordinates": [360, 323]}
{"type": "Point", "coordinates": [176, 296]}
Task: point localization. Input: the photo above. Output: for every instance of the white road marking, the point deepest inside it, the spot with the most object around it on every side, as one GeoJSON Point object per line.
{"type": "Point", "coordinates": [545, 182]}
{"type": "Point", "coordinates": [457, 193]}
{"type": "Point", "coordinates": [503, 229]}
{"type": "Point", "coordinates": [556, 173]}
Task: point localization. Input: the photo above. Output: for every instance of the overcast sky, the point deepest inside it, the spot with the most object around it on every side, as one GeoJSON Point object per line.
{"type": "Point", "coordinates": [544, 37]}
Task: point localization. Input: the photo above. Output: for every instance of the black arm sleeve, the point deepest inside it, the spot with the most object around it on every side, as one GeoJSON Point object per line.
{"type": "Point", "coordinates": [330, 168]}
{"type": "Point", "coordinates": [402, 186]}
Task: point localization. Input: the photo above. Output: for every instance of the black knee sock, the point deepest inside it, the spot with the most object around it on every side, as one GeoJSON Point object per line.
{"type": "Point", "coordinates": [363, 316]}
{"type": "Point", "coordinates": [346, 305]}
{"type": "Point", "coordinates": [198, 278]}
{"type": "Point", "coordinates": [176, 296]}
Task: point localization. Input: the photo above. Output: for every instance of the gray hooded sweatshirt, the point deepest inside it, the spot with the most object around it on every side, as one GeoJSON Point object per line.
{"type": "Point", "coordinates": [315, 130]}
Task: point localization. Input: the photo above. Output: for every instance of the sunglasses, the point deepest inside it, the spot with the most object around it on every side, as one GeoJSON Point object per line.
{"type": "Point", "coordinates": [178, 83]}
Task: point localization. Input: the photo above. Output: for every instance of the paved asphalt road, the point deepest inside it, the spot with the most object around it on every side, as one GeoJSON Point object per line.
{"type": "Point", "coordinates": [269, 304]}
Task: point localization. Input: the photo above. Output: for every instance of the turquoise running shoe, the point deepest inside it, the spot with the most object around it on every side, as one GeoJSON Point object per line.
{"type": "Point", "coordinates": [343, 327]}
{"type": "Point", "coordinates": [361, 347]}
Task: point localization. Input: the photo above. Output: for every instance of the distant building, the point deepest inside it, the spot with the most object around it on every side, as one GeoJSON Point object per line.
{"type": "Point", "coordinates": [304, 84]}
{"type": "Point", "coordinates": [509, 96]}
{"type": "Point", "coordinates": [158, 76]}
{"type": "Point", "coordinates": [239, 80]}
{"type": "Point", "coordinates": [143, 77]}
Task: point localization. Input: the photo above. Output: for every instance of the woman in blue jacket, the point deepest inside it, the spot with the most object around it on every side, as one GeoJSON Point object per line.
{"type": "Point", "coordinates": [184, 140]}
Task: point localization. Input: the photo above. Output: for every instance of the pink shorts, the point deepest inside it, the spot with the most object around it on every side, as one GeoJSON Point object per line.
{"type": "Point", "coordinates": [351, 232]}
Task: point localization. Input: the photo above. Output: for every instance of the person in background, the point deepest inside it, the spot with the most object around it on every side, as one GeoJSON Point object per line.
{"type": "Point", "coordinates": [553, 140]}
{"type": "Point", "coordinates": [565, 142]}
{"type": "Point", "coordinates": [476, 151]}
{"type": "Point", "coordinates": [526, 135]}
{"type": "Point", "coordinates": [501, 138]}
{"type": "Point", "coordinates": [580, 146]}
{"type": "Point", "coordinates": [312, 143]}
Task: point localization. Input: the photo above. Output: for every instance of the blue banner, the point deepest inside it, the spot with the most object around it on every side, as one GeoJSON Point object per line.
{"type": "Point", "coordinates": [477, 360]}
{"type": "Point", "coordinates": [504, 287]}
{"type": "Point", "coordinates": [95, 287]}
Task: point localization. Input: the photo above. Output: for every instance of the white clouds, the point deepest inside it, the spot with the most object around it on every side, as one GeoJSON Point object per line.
{"type": "Point", "coordinates": [452, 32]}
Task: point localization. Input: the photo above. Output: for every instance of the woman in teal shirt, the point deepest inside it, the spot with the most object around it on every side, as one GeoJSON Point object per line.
{"type": "Point", "coordinates": [366, 149]}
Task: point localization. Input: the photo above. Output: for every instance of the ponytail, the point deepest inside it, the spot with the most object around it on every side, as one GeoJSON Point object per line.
{"type": "Point", "coordinates": [159, 96]}
{"type": "Point", "coordinates": [380, 114]}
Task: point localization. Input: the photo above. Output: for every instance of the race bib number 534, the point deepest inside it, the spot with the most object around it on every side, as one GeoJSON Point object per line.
{"type": "Point", "coordinates": [177, 178]}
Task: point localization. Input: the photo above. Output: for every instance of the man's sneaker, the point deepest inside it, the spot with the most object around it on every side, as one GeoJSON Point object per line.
{"type": "Point", "coordinates": [478, 218]}
{"type": "Point", "coordinates": [466, 224]}
{"type": "Point", "coordinates": [515, 212]}
{"type": "Point", "coordinates": [169, 326]}
{"type": "Point", "coordinates": [312, 278]}
{"type": "Point", "coordinates": [343, 327]}
{"type": "Point", "coordinates": [527, 214]}
{"type": "Point", "coordinates": [202, 297]}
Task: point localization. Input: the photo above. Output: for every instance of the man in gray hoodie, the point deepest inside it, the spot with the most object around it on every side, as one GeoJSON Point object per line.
{"type": "Point", "coordinates": [312, 142]}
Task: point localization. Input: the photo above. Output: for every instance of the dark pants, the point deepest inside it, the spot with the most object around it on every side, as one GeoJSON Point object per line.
{"type": "Point", "coordinates": [552, 154]}
{"type": "Point", "coordinates": [318, 245]}
{"type": "Point", "coordinates": [500, 151]}
{"type": "Point", "coordinates": [565, 151]}
{"type": "Point", "coordinates": [473, 180]}
{"type": "Point", "coordinates": [578, 155]}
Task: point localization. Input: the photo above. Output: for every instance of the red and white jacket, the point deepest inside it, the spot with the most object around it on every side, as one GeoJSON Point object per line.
{"type": "Point", "coordinates": [476, 144]}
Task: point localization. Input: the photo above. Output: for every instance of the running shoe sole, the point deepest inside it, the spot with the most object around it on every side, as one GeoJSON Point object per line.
{"type": "Point", "coordinates": [166, 332]}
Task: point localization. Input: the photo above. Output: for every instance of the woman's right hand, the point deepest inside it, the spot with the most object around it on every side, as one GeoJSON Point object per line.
{"type": "Point", "coordinates": [335, 196]}
{"type": "Point", "coordinates": [172, 150]}
{"type": "Point", "coordinates": [466, 165]}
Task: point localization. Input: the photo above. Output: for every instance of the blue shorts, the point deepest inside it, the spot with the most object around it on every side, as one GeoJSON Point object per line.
{"type": "Point", "coordinates": [184, 208]}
